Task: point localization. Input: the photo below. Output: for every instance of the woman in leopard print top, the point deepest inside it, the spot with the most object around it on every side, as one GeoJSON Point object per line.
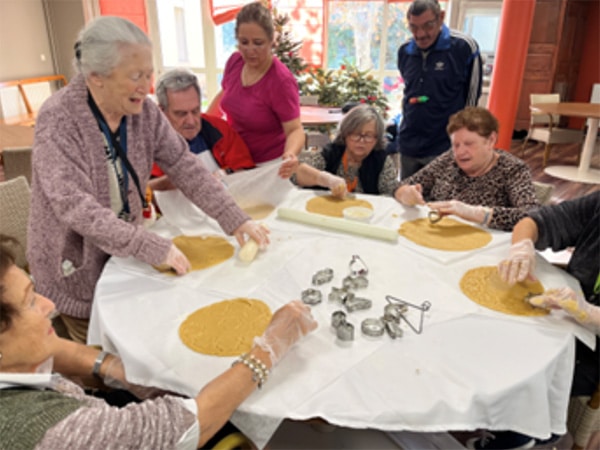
{"type": "Point", "coordinates": [473, 181]}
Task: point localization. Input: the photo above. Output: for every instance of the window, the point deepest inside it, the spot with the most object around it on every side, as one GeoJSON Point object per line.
{"type": "Point", "coordinates": [335, 32]}
{"type": "Point", "coordinates": [367, 35]}
{"type": "Point", "coordinates": [481, 19]}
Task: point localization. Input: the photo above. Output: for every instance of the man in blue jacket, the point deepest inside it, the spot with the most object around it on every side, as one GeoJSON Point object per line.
{"type": "Point", "coordinates": [441, 69]}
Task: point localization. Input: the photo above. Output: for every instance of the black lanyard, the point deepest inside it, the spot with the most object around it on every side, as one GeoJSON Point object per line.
{"type": "Point", "coordinates": [117, 143]}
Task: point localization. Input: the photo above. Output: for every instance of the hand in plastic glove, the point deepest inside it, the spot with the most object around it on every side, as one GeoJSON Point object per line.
{"type": "Point", "coordinates": [258, 232]}
{"type": "Point", "coordinates": [177, 261]}
{"type": "Point", "coordinates": [289, 165]}
{"type": "Point", "coordinates": [465, 211]}
{"type": "Point", "coordinates": [336, 184]}
{"type": "Point", "coordinates": [410, 195]}
{"type": "Point", "coordinates": [114, 377]}
{"type": "Point", "coordinates": [573, 304]}
{"type": "Point", "coordinates": [289, 323]}
{"type": "Point", "coordinates": [520, 263]}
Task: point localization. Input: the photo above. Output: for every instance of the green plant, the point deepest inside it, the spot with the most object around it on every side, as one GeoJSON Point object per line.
{"type": "Point", "coordinates": [362, 87]}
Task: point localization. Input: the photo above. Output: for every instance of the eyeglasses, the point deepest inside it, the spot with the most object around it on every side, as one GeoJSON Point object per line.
{"type": "Point", "coordinates": [367, 138]}
{"type": "Point", "coordinates": [427, 26]}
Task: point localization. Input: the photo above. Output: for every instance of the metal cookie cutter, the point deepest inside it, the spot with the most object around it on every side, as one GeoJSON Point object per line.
{"type": "Point", "coordinates": [393, 329]}
{"type": "Point", "coordinates": [423, 307]}
{"type": "Point", "coordinates": [322, 276]}
{"type": "Point", "coordinates": [338, 295]}
{"type": "Point", "coordinates": [357, 282]}
{"type": "Point", "coordinates": [345, 332]}
{"type": "Point", "coordinates": [372, 327]}
{"type": "Point", "coordinates": [358, 267]}
{"type": "Point", "coordinates": [311, 296]}
{"type": "Point", "coordinates": [338, 318]}
{"type": "Point", "coordinates": [434, 216]}
{"type": "Point", "coordinates": [357, 303]}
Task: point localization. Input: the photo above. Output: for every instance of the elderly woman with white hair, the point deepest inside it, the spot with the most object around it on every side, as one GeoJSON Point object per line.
{"type": "Point", "coordinates": [95, 142]}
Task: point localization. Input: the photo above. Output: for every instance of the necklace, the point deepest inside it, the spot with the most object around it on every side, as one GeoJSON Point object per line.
{"type": "Point", "coordinates": [248, 79]}
{"type": "Point", "coordinates": [350, 173]}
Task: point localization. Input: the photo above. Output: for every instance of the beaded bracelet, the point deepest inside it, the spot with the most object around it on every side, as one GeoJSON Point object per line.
{"type": "Point", "coordinates": [260, 372]}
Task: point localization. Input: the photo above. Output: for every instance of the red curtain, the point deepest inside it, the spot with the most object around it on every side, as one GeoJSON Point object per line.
{"type": "Point", "coordinates": [223, 11]}
{"type": "Point", "coordinates": [134, 10]}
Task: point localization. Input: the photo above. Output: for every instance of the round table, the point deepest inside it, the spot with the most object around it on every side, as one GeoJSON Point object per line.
{"type": "Point", "coordinates": [469, 368]}
{"type": "Point", "coordinates": [583, 173]}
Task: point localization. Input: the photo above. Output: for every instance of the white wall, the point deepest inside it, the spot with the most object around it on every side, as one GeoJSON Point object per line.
{"type": "Point", "coordinates": [23, 40]}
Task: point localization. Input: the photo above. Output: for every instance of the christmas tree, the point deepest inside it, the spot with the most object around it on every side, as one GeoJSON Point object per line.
{"type": "Point", "coordinates": [286, 48]}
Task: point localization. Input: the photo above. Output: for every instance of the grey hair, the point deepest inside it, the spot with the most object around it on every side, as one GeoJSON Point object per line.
{"type": "Point", "coordinates": [175, 80]}
{"type": "Point", "coordinates": [98, 45]}
{"type": "Point", "coordinates": [418, 7]}
{"type": "Point", "coordinates": [355, 119]}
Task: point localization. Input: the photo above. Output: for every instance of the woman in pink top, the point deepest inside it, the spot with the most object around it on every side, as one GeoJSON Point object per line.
{"type": "Point", "coordinates": [259, 94]}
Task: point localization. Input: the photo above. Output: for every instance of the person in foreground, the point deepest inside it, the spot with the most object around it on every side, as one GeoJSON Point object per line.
{"type": "Point", "coordinates": [441, 69]}
{"type": "Point", "coordinates": [474, 182]}
{"type": "Point", "coordinates": [355, 161]}
{"type": "Point", "coordinates": [573, 223]}
{"type": "Point", "coordinates": [45, 410]}
{"type": "Point", "coordinates": [211, 138]}
{"type": "Point", "coordinates": [95, 142]}
{"type": "Point", "coordinates": [259, 94]}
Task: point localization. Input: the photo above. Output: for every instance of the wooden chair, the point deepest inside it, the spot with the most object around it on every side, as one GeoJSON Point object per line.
{"type": "Point", "coordinates": [15, 199]}
{"type": "Point", "coordinates": [545, 127]}
{"type": "Point", "coordinates": [315, 139]}
{"type": "Point", "coordinates": [25, 96]}
{"type": "Point", "coordinates": [17, 162]}
{"type": "Point", "coordinates": [584, 418]}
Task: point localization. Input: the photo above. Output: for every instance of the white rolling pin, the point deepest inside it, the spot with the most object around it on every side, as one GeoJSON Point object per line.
{"type": "Point", "coordinates": [334, 223]}
{"type": "Point", "coordinates": [249, 250]}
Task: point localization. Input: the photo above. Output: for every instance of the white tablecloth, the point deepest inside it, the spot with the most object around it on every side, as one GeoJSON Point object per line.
{"type": "Point", "coordinates": [470, 368]}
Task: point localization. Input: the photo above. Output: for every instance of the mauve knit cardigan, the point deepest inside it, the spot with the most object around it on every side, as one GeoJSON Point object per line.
{"type": "Point", "coordinates": [70, 216]}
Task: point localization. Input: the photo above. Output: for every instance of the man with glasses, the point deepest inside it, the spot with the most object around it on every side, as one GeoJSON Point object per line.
{"type": "Point", "coordinates": [441, 69]}
{"type": "Point", "coordinates": [178, 95]}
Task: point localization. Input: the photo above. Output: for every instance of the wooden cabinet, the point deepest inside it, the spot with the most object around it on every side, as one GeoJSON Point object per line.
{"type": "Point", "coordinates": [554, 54]}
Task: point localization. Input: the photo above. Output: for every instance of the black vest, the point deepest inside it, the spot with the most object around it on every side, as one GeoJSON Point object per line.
{"type": "Point", "coordinates": [369, 171]}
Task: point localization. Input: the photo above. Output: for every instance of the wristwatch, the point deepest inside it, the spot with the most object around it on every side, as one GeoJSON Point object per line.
{"type": "Point", "coordinates": [99, 360]}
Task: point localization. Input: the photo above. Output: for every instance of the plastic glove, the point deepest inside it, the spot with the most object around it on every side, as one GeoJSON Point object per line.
{"type": "Point", "coordinates": [465, 211]}
{"type": "Point", "coordinates": [289, 165]}
{"type": "Point", "coordinates": [256, 231]}
{"type": "Point", "coordinates": [177, 261]}
{"type": "Point", "coordinates": [336, 184]}
{"type": "Point", "coordinates": [520, 263]}
{"type": "Point", "coordinates": [114, 377]}
{"type": "Point", "coordinates": [289, 323]}
{"type": "Point", "coordinates": [573, 304]}
{"type": "Point", "coordinates": [410, 195]}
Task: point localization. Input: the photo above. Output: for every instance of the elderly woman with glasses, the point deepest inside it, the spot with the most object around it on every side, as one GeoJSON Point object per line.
{"type": "Point", "coordinates": [44, 410]}
{"type": "Point", "coordinates": [474, 181]}
{"type": "Point", "coordinates": [95, 142]}
{"type": "Point", "coordinates": [355, 161]}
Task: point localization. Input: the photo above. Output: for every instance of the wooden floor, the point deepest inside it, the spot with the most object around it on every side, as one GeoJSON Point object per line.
{"type": "Point", "coordinates": [559, 154]}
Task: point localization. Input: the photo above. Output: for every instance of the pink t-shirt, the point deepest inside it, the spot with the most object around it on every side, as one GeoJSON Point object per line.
{"type": "Point", "coordinates": [256, 112]}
